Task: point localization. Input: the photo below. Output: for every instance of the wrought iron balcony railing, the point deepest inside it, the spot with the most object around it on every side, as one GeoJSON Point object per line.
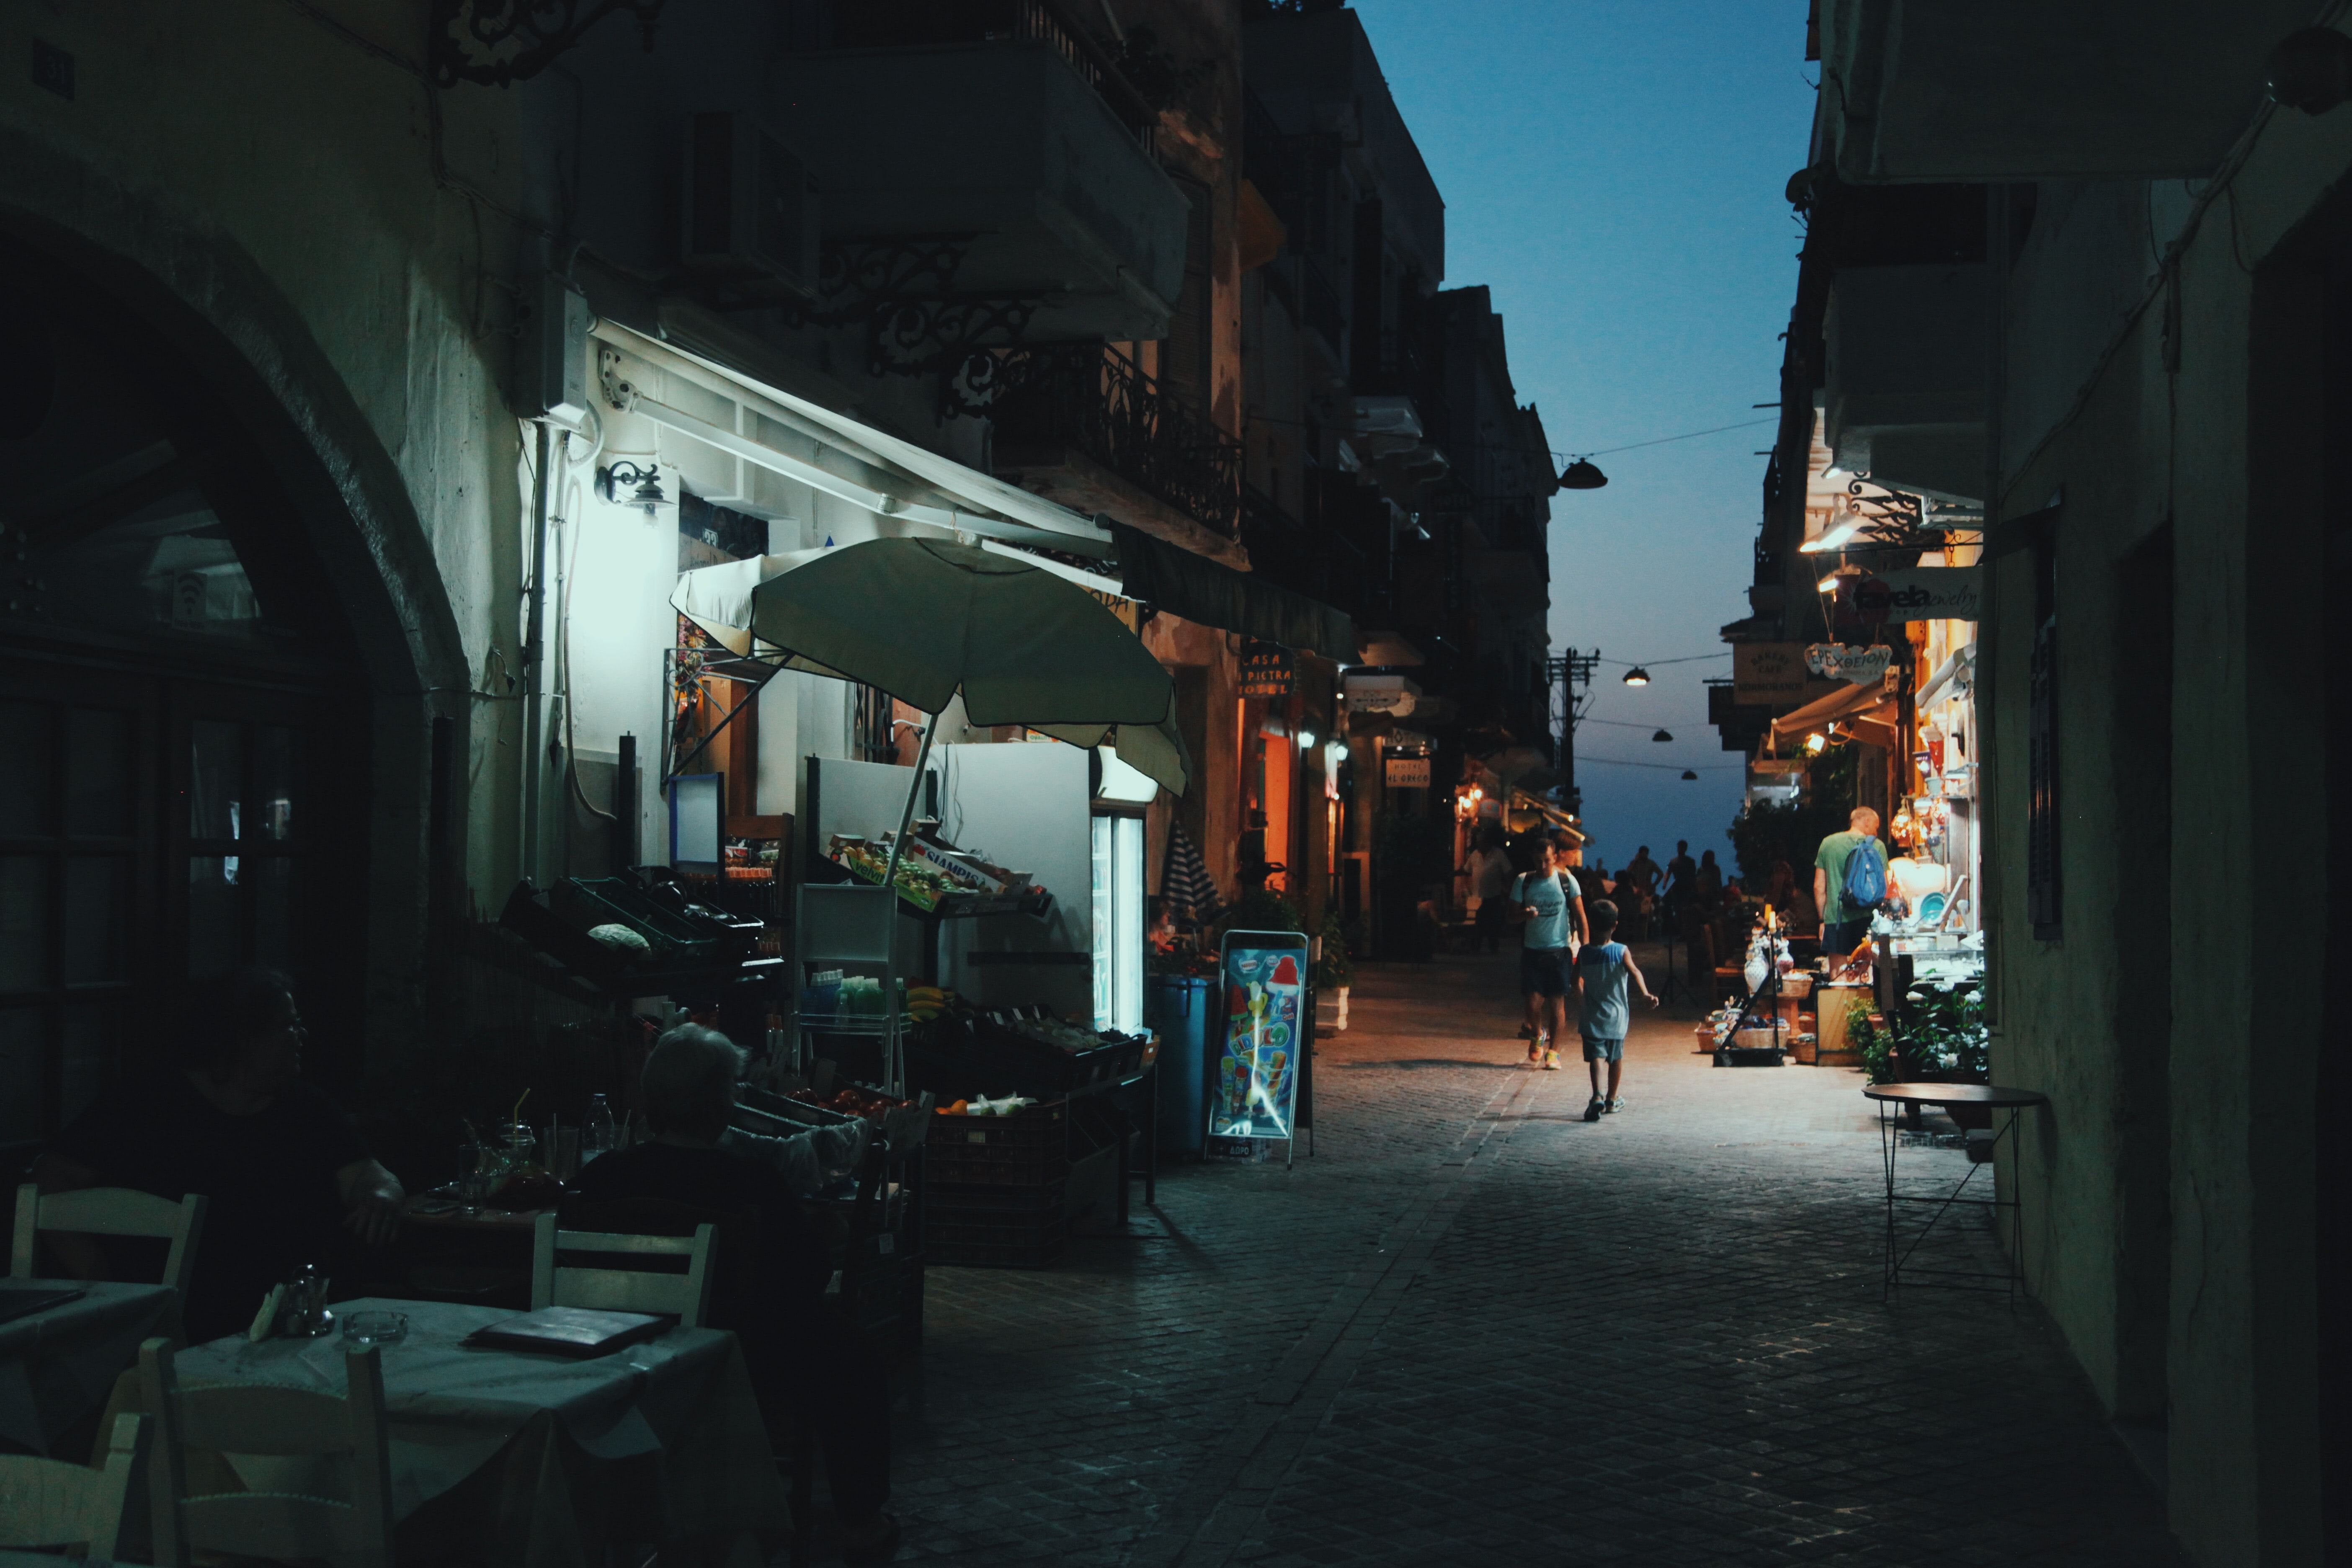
{"type": "Point", "coordinates": [1092, 397]}
{"type": "Point", "coordinates": [899, 24]}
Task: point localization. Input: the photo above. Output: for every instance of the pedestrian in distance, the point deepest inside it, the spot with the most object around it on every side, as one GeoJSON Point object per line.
{"type": "Point", "coordinates": [1606, 980]}
{"type": "Point", "coordinates": [1681, 872]}
{"type": "Point", "coordinates": [1844, 892]}
{"type": "Point", "coordinates": [1489, 868]}
{"type": "Point", "coordinates": [1554, 907]}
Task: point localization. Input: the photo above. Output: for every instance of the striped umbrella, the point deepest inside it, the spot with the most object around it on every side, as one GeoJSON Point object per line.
{"type": "Point", "coordinates": [1186, 888]}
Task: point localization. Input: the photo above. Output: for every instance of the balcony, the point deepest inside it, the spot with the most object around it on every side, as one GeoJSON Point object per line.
{"type": "Point", "coordinates": [993, 142]}
{"type": "Point", "coordinates": [2024, 89]}
{"type": "Point", "coordinates": [1093, 403]}
{"type": "Point", "coordinates": [1907, 391]}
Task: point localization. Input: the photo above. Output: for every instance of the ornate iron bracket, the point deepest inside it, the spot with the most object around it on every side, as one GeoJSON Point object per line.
{"type": "Point", "coordinates": [496, 42]}
{"type": "Point", "coordinates": [903, 290]}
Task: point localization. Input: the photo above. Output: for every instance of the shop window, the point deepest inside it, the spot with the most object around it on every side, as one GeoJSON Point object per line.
{"type": "Point", "coordinates": [2042, 902]}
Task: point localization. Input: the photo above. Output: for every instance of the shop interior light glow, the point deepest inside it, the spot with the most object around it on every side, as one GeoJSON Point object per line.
{"type": "Point", "coordinates": [1834, 537]}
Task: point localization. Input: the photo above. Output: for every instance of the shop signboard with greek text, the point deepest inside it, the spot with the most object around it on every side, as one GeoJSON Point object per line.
{"type": "Point", "coordinates": [1268, 1029]}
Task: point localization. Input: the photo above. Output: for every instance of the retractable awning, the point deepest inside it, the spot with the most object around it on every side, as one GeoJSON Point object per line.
{"type": "Point", "coordinates": [851, 461]}
{"type": "Point", "coordinates": [1214, 595]}
{"type": "Point", "coordinates": [1858, 704]}
{"type": "Point", "coordinates": [846, 458]}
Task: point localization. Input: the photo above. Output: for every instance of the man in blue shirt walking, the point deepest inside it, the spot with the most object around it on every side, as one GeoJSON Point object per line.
{"type": "Point", "coordinates": [1554, 906]}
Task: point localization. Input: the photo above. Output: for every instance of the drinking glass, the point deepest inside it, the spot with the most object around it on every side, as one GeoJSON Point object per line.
{"type": "Point", "coordinates": [475, 1172]}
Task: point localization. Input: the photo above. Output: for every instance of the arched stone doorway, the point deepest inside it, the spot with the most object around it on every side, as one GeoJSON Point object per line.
{"type": "Point", "coordinates": [204, 729]}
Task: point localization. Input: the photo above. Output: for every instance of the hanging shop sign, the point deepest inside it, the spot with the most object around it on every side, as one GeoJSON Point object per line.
{"type": "Point", "coordinates": [1855, 665]}
{"type": "Point", "coordinates": [1766, 673]}
{"type": "Point", "coordinates": [1408, 773]}
{"type": "Point", "coordinates": [1394, 695]}
{"type": "Point", "coordinates": [1919, 594]}
{"type": "Point", "coordinates": [1266, 670]}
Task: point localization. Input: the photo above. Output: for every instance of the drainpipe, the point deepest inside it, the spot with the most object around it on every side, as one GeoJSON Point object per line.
{"type": "Point", "coordinates": [534, 665]}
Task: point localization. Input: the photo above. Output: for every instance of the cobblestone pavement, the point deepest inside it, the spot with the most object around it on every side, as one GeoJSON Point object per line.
{"type": "Point", "coordinates": [1473, 1327]}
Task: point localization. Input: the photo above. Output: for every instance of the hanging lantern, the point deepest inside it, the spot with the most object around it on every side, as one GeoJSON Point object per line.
{"type": "Point", "coordinates": [1582, 475]}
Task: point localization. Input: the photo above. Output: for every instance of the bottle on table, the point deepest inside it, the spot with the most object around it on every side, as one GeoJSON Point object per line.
{"type": "Point", "coordinates": [599, 1134]}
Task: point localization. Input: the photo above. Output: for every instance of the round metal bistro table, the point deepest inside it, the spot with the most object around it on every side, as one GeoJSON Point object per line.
{"type": "Point", "coordinates": [1892, 1098]}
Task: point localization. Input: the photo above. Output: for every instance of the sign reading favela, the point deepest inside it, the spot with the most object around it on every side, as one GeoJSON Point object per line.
{"type": "Point", "coordinates": [1919, 594]}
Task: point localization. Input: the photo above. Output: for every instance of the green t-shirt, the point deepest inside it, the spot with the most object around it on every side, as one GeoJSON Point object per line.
{"type": "Point", "coordinates": [1835, 851]}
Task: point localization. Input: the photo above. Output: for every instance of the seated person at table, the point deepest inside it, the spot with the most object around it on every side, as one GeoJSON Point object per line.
{"type": "Point", "coordinates": [796, 1348]}
{"type": "Point", "coordinates": [281, 1164]}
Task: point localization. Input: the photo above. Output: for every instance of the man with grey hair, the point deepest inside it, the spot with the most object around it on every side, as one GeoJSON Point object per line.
{"type": "Point", "coordinates": [773, 1298]}
{"type": "Point", "coordinates": [1843, 927]}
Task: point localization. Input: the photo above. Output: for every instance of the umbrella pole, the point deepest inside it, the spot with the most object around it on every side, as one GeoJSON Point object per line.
{"type": "Point", "coordinates": [893, 1066]}
{"type": "Point", "coordinates": [907, 815]}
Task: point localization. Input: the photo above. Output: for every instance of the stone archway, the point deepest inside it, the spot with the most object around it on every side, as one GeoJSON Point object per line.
{"type": "Point", "coordinates": [263, 432]}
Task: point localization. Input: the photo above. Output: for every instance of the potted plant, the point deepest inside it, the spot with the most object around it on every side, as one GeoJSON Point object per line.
{"type": "Point", "coordinates": [1332, 971]}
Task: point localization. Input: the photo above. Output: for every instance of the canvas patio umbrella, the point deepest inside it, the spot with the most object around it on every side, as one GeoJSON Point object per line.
{"type": "Point", "coordinates": [848, 610]}
{"type": "Point", "coordinates": [927, 621]}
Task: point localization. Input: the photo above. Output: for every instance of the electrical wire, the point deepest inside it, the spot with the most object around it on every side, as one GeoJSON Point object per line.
{"type": "Point", "coordinates": [1671, 767]}
{"type": "Point", "coordinates": [572, 505]}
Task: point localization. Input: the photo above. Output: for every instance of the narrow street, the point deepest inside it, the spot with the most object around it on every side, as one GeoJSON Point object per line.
{"type": "Point", "coordinates": [1473, 1328]}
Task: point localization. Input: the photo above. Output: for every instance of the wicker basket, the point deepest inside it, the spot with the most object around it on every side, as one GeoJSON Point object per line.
{"type": "Point", "coordinates": [1797, 986]}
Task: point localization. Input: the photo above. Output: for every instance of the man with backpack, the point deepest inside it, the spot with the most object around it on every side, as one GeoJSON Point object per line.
{"type": "Point", "coordinates": [1849, 882]}
{"type": "Point", "coordinates": [1553, 904]}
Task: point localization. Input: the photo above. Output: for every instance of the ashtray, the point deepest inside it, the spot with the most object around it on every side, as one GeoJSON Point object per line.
{"type": "Point", "coordinates": [362, 1330]}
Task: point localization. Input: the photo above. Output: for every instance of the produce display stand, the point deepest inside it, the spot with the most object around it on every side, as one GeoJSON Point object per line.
{"type": "Point", "coordinates": [999, 1189]}
{"type": "Point", "coordinates": [882, 1259]}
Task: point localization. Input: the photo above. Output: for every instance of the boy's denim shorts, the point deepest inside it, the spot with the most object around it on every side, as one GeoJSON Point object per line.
{"type": "Point", "coordinates": [1603, 1050]}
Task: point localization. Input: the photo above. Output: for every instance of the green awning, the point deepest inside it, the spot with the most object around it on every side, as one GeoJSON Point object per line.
{"type": "Point", "coordinates": [1175, 580]}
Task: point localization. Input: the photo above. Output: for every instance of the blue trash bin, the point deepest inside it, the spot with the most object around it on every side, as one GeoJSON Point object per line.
{"type": "Point", "coordinates": [1177, 1008]}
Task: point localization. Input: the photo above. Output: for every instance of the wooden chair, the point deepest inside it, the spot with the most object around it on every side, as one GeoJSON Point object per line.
{"type": "Point", "coordinates": [108, 1211]}
{"type": "Point", "coordinates": [269, 1418]}
{"type": "Point", "coordinates": [622, 1289]}
{"type": "Point", "coordinates": [48, 1502]}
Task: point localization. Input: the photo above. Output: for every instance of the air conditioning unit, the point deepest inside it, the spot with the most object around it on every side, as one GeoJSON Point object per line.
{"type": "Point", "coordinates": [751, 206]}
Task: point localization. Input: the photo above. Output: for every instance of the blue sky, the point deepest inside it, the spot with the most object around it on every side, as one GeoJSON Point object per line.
{"type": "Point", "coordinates": [1613, 169]}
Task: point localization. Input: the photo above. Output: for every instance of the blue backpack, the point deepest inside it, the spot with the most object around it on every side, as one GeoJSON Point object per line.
{"type": "Point", "coordinates": [1865, 878]}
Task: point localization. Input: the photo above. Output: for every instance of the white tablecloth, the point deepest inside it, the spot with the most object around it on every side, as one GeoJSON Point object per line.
{"type": "Point", "coordinates": [536, 1459]}
{"type": "Point", "coordinates": [57, 1366]}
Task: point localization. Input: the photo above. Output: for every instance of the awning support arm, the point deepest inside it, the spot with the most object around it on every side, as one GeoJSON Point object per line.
{"type": "Point", "coordinates": [704, 744]}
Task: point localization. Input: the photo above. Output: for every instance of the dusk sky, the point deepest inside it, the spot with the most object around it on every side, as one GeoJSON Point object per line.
{"type": "Point", "coordinates": [1638, 247]}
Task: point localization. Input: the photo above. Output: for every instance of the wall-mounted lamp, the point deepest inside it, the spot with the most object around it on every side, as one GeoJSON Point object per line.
{"type": "Point", "coordinates": [2311, 69]}
{"type": "Point", "coordinates": [1637, 676]}
{"type": "Point", "coordinates": [647, 492]}
{"type": "Point", "coordinates": [1814, 744]}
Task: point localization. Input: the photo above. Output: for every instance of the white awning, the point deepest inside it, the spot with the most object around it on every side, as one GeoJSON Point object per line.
{"type": "Point", "coordinates": [1953, 678]}
{"type": "Point", "coordinates": [855, 462]}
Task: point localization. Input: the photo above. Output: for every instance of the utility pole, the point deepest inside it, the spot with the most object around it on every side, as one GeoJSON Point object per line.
{"type": "Point", "coordinates": [1569, 671]}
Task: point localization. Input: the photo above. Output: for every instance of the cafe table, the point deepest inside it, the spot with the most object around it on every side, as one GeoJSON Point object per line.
{"type": "Point", "coordinates": [1891, 1099]}
{"type": "Point", "coordinates": [537, 1461]}
{"type": "Point", "coordinates": [57, 1364]}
